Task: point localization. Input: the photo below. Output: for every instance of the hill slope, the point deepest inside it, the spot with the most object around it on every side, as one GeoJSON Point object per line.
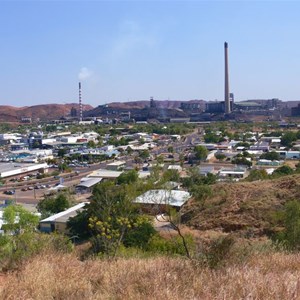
{"type": "Point", "coordinates": [44, 112]}
{"type": "Point", "coordinates": [61, 276]}
{"type": "Point", "coordinates": [244, 207]}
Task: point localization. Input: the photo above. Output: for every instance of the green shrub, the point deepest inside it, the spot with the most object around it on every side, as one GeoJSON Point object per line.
{"type": "Point", "coordinates": [290, 218]}
{"type": "Point", "coordinates": [15, 249]}
{"type": "Point", "coordinates": [139, 236]}
{"type": "Point", "coordinates": [172, 246]}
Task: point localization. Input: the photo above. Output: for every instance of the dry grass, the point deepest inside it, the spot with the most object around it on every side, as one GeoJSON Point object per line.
{"type": "Point", "coordinates": [61, 276]}
{"type": "Point", "coordinates": [242, 206]}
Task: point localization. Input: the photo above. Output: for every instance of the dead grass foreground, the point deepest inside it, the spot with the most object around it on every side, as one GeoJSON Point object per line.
{"type": "Point", "coordinates": [62, 276]}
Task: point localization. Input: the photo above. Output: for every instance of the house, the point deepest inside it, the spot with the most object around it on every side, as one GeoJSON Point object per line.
{"type": "Point", "coordinates": [58, 222]}
{"type": "Point", "coordinates": [233, 173]}
{"type": "Point", "coordinates": [116, 165]}
{"type": "Point", "coordinates": [156, 201]}
{"type": "Point", "coordinates": [266, 162]}
{"type": "Point", "coordinates": [260, 146]}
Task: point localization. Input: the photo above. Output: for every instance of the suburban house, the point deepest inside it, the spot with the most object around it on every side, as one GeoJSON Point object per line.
{"type": "Point", "coordinates": [58, 222]}
{"type": "Point", "coordinates": [156, 201]}
{"type": "Point", "coordinates": [233, 173]}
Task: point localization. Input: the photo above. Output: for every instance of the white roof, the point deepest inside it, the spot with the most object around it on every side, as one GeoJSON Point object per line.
{"type": "Point", "coordinates": [105, 173]}
{"type": "Point", "coordinates": [174, 167]}
{"type": "Point", "coordinates": [173, 197]}
{"type": "Point", "coordinates": [144, 174]}
{"type": "Point", "coordinates": [89, 182]}
{"type": "Point", "coordinates": [117, 163]}
{"type": "Point", "coordinates": [233, 171]}
{"type": "Point", "coordinates": [65, 212]}
{"type": "Point", "coordinates": [275, 140]}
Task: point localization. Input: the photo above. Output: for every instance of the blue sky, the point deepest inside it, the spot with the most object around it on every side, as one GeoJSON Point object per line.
{"type": "Point", "coordinates": [132, 50]}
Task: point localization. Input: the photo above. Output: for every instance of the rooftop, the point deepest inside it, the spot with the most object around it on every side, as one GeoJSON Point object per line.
{"type": "Point", "coordinates": [65, 214]}
{"type": "Point", "coordinates": [167, 197]}
{"type": "Point", "coordinates": [6, 167]}
{"type": "Point", "coordinates": [105, 173]}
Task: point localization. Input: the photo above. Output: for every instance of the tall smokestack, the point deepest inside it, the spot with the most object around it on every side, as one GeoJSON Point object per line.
{"type": "Point", "coordinates": [227, 96]}
{"type": "Point", "coordinates": [80, 103]}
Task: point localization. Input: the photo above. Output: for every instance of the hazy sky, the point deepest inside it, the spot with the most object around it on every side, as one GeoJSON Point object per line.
{"type": "Point", "coordinates": [132, 50]}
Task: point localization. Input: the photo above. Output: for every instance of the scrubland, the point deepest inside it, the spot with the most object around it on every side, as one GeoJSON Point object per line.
{"type": "Point", "coordinates": [64, 276]}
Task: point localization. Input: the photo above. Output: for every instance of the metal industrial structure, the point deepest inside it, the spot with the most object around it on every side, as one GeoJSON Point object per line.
{"type": "Point", "coordinates": [227, 93]}
{"type": "Point", "coordinates": [80, 103]}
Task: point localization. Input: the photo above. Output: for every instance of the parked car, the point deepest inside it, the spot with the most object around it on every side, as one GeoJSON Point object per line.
{"type": "Point", "coordinates": [10, 192]}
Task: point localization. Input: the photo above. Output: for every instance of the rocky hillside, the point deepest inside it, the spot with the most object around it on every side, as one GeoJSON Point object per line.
{"type": "Point", "coordinates": [44, 112]}
{"type": "Point", "coordinates": [246, 208]}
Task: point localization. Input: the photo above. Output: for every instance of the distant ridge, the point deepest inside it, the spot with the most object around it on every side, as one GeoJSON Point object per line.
{"type": "Point", "coordinates": [45, 112]}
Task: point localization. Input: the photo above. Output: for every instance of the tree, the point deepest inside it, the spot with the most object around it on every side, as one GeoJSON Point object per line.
{"type": "Point", "coordinates": [160, 159]}
{"type": "Point", "coordinates": [64, 167]}
{"type": "Point", "coordinates": [18, 219]}
{"type": "Point", "coordinates": [54, 204]}
{"type": "Point", "coordinates": [200, 152]}
{"type": "Point", "coordinates": [140, 235]}
{"type": "Point", "coordinates": [210, 137]}
{"type": "Point", "coordinates": [62, 152]}
{"type": "Point", "coordinates": [283, 170]}
{"type": "Point", "coordinates": [170, 175]}
{"type": "Point", "coordinates": [242, 161]}
{"type": "Point", "coordinates": [201, 193]}
{"type": "Point", "coordinates": [291, 221]}
{"type": "Point", "coordinates": [220, 156]}
{"type": "Point", "coordinates": [273, 155]}
{"type": "Point", "coordinates": [129, 150]}
{"type": "Point", "coordinates": [79, 225]}
{"type": "Point", "coordinates": [181, 159]}
{"type": "Point", "coordinates": [257, 175]}
{"type": "Point", "coordinates": [288, 138]}
{"type": "Point", "coordinates": [242, 144]}
{"type": "Point", "coordinates": [128, 177]}
{"type": "Point", "coordinates": [171, 149]}
{"type": "Point", "coordinates": [91, 144]}
{"type": "Point", "coordinates": [195, 178]}
{"type": "Point", "coordinates": [144, 154]}
{"type": "Point", "coordinates": [111, 214]}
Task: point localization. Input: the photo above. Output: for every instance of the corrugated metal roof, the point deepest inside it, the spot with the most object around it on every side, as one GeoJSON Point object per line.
{"type": "Point", "coordinates": [64, 213]}
{"type": "Point", "coordinates": [173, 197]}
{"type": "Point", "coordinates": [89, 183]}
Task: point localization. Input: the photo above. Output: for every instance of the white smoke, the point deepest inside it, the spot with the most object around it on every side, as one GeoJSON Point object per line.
{"type": "Point", "coordinates": [84, 74]}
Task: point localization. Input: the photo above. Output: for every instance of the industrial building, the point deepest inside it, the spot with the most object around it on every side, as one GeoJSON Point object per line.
{"type": "Point", "coordinates": [13, 169]}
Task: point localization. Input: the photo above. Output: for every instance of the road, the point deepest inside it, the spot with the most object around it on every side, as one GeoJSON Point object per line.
{"type": "Point", "coordinates": [73, 178]}
{"type": "Point", "coordinates": [33, 196]}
